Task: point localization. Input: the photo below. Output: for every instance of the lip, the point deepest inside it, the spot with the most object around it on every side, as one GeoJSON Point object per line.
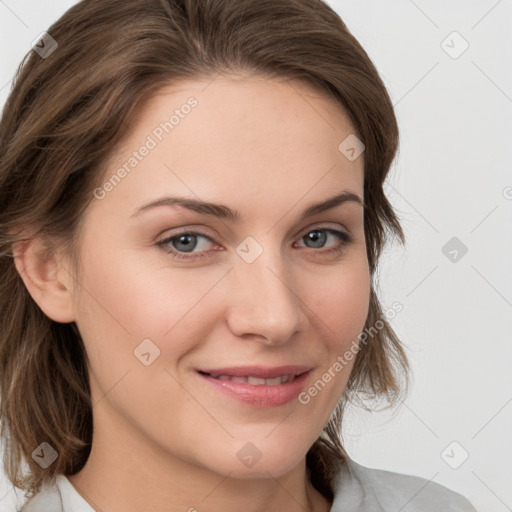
{"type": "Point", "coordinates": [262, 395]}
{"type": "Point", "coordinates": [264, 372]}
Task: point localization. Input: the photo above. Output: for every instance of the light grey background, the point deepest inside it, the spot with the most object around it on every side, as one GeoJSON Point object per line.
{"type": "Point", "coordinates": [452, 178]}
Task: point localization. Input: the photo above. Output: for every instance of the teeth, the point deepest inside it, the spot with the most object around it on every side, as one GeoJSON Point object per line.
{"type": "Point", "coordinates": [257, 381]}
{"type": "Point", "coordinates": [271, 382]}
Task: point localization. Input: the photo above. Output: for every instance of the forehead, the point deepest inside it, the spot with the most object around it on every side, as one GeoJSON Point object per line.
{"type": "Point", "coordinates": [252, 139]}
{"type": "Point", "coordinates": [226, 104]}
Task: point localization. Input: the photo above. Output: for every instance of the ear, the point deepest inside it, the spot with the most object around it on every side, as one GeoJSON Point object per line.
{"type": "Point", "coordinates": [47, 279]}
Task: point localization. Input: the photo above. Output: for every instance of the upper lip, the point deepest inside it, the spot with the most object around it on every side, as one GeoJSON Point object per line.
{"type": "Point", "coordinates": [264, 372]}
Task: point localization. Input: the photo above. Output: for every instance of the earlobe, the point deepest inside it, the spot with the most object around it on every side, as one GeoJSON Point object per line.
{"type": "Point", "coordinates": [46, 279]}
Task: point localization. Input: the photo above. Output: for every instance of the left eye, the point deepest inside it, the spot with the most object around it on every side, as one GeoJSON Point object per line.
{"type": "Point", "coordinates": [318, 236]}
{"type": "Point", "coordinates": [182, 244]}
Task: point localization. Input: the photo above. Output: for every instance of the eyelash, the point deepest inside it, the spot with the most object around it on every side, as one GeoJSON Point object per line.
{"type": "Point", "coordinates": [345, 238]}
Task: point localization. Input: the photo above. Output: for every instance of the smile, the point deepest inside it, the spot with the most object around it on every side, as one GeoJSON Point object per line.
{"type": "Point", "coordinates": [256, 381]}
{"type": "Point", "coordinates": [257, 386]}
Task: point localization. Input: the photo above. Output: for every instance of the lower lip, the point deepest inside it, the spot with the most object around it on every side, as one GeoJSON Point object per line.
{"type": "Point", "coordinates": [263, 395]}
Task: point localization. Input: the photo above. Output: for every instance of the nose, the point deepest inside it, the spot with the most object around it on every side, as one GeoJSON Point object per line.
{"type": "Point", "coordinates": [264, 300]}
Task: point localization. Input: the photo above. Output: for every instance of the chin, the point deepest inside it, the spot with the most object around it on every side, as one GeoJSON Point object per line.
{"type": "Point", "coordinates": [249, 462]}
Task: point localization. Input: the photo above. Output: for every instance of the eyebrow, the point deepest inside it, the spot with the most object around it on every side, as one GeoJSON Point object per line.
{"type": "Point", "coordinates": [224, 212]}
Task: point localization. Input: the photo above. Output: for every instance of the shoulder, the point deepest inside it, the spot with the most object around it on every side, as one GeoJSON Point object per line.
{"type": "Point", "coordinates": [48, 498]}
{"type": "Point", "coordinates": [378, 490]}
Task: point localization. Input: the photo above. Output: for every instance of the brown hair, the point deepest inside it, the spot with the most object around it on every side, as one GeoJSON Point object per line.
{"type": "Point", "coordinates": [62, 120]}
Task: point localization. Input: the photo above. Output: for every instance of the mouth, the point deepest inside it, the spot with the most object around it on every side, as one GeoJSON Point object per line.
{"type": "Point", "coordinates": [253, 380]}
{"type": "Point", "coordinates": [258, 386]}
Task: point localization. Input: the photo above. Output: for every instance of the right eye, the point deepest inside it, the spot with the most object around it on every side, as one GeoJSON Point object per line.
{"type": "Point", "coordinates": [188, 241]}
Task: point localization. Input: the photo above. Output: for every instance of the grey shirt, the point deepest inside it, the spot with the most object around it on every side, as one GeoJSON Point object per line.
{"type": "Point", "coordinates": [356, 489]}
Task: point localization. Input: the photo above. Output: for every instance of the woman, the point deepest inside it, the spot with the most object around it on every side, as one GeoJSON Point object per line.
{"type": "Point", "coordinates": [192, 215]}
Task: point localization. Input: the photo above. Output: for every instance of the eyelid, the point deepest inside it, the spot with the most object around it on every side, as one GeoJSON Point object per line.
{"type": "Point", "coordinates": [188, 230]}
{"type": "Point", "coordinates": [322, 225]}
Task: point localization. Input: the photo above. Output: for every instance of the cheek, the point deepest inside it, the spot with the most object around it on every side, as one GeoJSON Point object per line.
{"type": "Point", "coordinates": [343, 308]}
{"type": "Point", "coordinates": [125, 301]}
{"type": "Point", "coordinates": [342, 305]}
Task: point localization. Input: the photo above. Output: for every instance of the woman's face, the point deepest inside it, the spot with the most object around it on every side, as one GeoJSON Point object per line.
{"type": "Point", "coordinates": [171, 293]}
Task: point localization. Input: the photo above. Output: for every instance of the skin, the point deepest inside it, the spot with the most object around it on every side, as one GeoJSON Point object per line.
{"type": "Point", "coordinates": [164, 439]}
